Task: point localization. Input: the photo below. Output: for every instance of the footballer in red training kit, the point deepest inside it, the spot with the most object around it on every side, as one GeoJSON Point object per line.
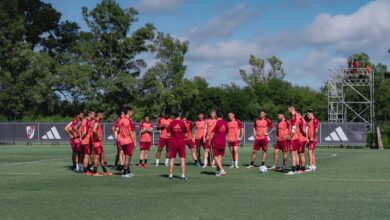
{"type": "Point", "coordinates": [145, 142]}
{"type": "Point", "coordinates": [261, 133]}
{"type": "Point", "coordinates": [162, 125]}
{"type": "Point", "coordinates": [177, 131]}
{"type": "Point", "coordinates": [218, 142]}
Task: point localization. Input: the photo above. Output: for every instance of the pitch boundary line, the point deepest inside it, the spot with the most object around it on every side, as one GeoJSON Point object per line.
{"type": "Point", "coordinates": [27, 174]}
{"type": "Point", "coordinates": [40, 161]}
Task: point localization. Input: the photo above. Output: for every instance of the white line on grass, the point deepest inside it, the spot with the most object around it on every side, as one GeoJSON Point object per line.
{"type": "Point", "coordinates": [330, 156]}
{"type": "Point", "coordinates": [40, 161]}
{"type": "Point", "coordinates": [32, 174]}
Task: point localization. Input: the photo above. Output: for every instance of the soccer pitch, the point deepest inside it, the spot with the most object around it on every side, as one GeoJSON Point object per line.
{"type": "Point", "coordinates": [36, 183]}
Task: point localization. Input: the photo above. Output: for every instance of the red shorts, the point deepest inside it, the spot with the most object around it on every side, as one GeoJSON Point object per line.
{"type": "Point", "coordinates": [207, 144]}
{"type": "Point", "coordinates": [261, 143]}
{"type": "Point", "coordinates": [218, 152]}
{"type": "Point", "coordinates": [199, 143]}
{"type": "Point", "coordinates": [312, 145]}
{"type": "Point", "coordinates": [301, 147]}
{"type": "Point", "coordinates": [282, 145]}
{"type": "Point", "coordinates": [118, 145]}
{"type": "Point", "coordinates": [128, 149]}
{"type": "Point", "coordinates": [145, 145]}
{"type": "Point", "coordinates": [86, 148]}
{"type": "Point", "coordinates": [98, 150]}
{"type": "Point", "coordinates": [173, 151]}
{"type": "Point", "coordinates": [162, 143]}
{"type": "Point", "coordinates": [75, 145]}
{"type": "Point", "coordinates": [294, 145]}
{"type": "Point", "coordinates": [190, 144]}
{"type": "Point", "coordinates": [233, 143]}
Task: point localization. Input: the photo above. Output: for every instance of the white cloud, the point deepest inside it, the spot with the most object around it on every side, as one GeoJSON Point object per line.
{"type": "Point", "coordinates": [222, 25]}
{"type": "Point", "coordinates": [158, 5]}
{"type": "Point", "coordinates": [367, 24]}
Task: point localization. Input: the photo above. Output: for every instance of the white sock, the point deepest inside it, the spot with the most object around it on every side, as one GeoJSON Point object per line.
{"type": "Point", "coordinates": [183, 176]}
{"type": "Point", "coordinates": [233, 162]}
{"type": "Point", "coordinates": [166, 161]}
{"type": "Point", "coordinates": [236, 163]}
{"type": "Point", "coordinates": [205, 162]}
{"type": "Point", "coordinates": [170, 175]}
{"type": "Point", "coordinates": [157, 161]}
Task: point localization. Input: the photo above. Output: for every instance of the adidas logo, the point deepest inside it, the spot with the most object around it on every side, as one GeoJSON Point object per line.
{"type": "Point", "coordinates": [52, 134]}
{"type": "Point", "coordinates": [337, 135]}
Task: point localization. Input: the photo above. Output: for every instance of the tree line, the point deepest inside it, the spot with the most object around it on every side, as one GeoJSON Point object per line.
{"type": "Point", "coordinates": [50, 67]}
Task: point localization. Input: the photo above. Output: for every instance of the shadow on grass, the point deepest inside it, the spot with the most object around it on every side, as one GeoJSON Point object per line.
{"type": "Point", "coordinates": [207, 173]}
{"type": "Point", "coordinates": [68, 167]}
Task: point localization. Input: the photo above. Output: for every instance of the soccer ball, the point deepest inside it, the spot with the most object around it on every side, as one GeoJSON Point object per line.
{"type": "Point", "coordinates": [263, 169]}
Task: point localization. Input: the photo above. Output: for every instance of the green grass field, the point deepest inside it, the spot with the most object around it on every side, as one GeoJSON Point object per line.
{"type": "Point", "coordinates": [36, 183]}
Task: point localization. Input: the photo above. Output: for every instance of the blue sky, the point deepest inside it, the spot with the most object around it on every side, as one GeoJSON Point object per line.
{"type": "Point", "coordinates": [310, 36]}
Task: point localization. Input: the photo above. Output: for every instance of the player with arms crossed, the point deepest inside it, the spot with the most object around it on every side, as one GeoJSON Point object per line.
{"type": "Point", "coordinates": [312, 134]}
{"type": "Point", "coordinates": [294, 140]}
{"type": "Point", "coordinates": [210, 123]}
{"type": "Point", "coordinates": [128, 140]}
{"type": "Point", "coordinates": [282, 142]}
{"type": "Point", "coordinates": [97, 145]}
{"type": "Point", "coordinates": [86, 137]}
{"type": "Point", "coordinates": [200, 127]}
{"type": "Point", "coordinates": [235, 135]}
{"type": "Point", "coordinates": [261, 133]}
{"type": "Point", "coordinates": [218, 140]}
{"type": "Point", "coordinates": [177, 131]}
{"type": "Point", "coordinates": [190, 142]}
{"type": "Point", "coordinates": [146, 130]}
{"type": "Point", "coordinates": [74, 137]}
{"type": "Point", "coordinates": [120, 156]}
{"type": "Point", "coordinates": [302, 141]}
{"type": "Point", "coordinates": [162, 125]}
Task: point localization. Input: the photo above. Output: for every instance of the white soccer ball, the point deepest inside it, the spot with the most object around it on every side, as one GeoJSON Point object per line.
{"type": "Point", "coordinates": [263, 169]}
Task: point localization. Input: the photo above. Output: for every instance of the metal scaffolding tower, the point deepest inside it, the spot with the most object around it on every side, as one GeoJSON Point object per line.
{"type": "Point", "coordinates": [351, 96]}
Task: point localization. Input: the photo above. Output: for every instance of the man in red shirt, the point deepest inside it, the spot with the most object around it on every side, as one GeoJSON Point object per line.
{"type": "Point", "coordinates": [120, 156]}
{"type": "Point", "coordinates": [261, 133]}
{"type": "Point", "coordinates": [218, 142]}
{"type": "Point", "coordinates": [302, 141]}
{"type": "Point", "coordinates": [97, 145]}
{"type": "Point", "coordinates": [210, 123]}
{"type": "Point", "coordinates": [177, 131]}
{"type": "Point", "coordinates": [162, 125]}
{"type": "Point", "coordinates": [294, 141]}
{"type": "Point", "coordinates": [235, 135]}
{"type": "Point", "coordinates": [282, 135]}
{"type": "Point", "coordinates": [200, 127]}
{"type": "Point", "coordinates": [145, 142]}
{"type": "Point", "coordinates": [128, 140]}
{"type": "Point", "coordinates": [85, 131]}
{"type": "Point", "coordinates": [190, 142]}
{"type": "Point", "coordinates": [74, 137]}
{"type": "Point", "coordinates": [312, 135]}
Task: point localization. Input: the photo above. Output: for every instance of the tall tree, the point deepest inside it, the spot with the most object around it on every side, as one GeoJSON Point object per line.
{"type": "Point", "coordinates": [277, 70]}
{"type": "Point", "coordinates": [162, 86]}
{"type": "Point", "coordinates": [258, 73]}
{"type": "Point", "coordinates": [112, 54]}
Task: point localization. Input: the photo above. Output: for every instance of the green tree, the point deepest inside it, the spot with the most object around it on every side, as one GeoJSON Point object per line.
{"type": "Point", "coordinates": [257, 74]}
{"type": "Point", "coordinates": [162, 87]}
{"type": "Point", "coordinates": [277, 70]}
{"type": "Point", "coordinates": [112, 54]}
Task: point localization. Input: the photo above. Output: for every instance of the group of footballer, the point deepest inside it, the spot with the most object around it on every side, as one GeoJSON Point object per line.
{"type": "Point", "coordinates": [177, 133]}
